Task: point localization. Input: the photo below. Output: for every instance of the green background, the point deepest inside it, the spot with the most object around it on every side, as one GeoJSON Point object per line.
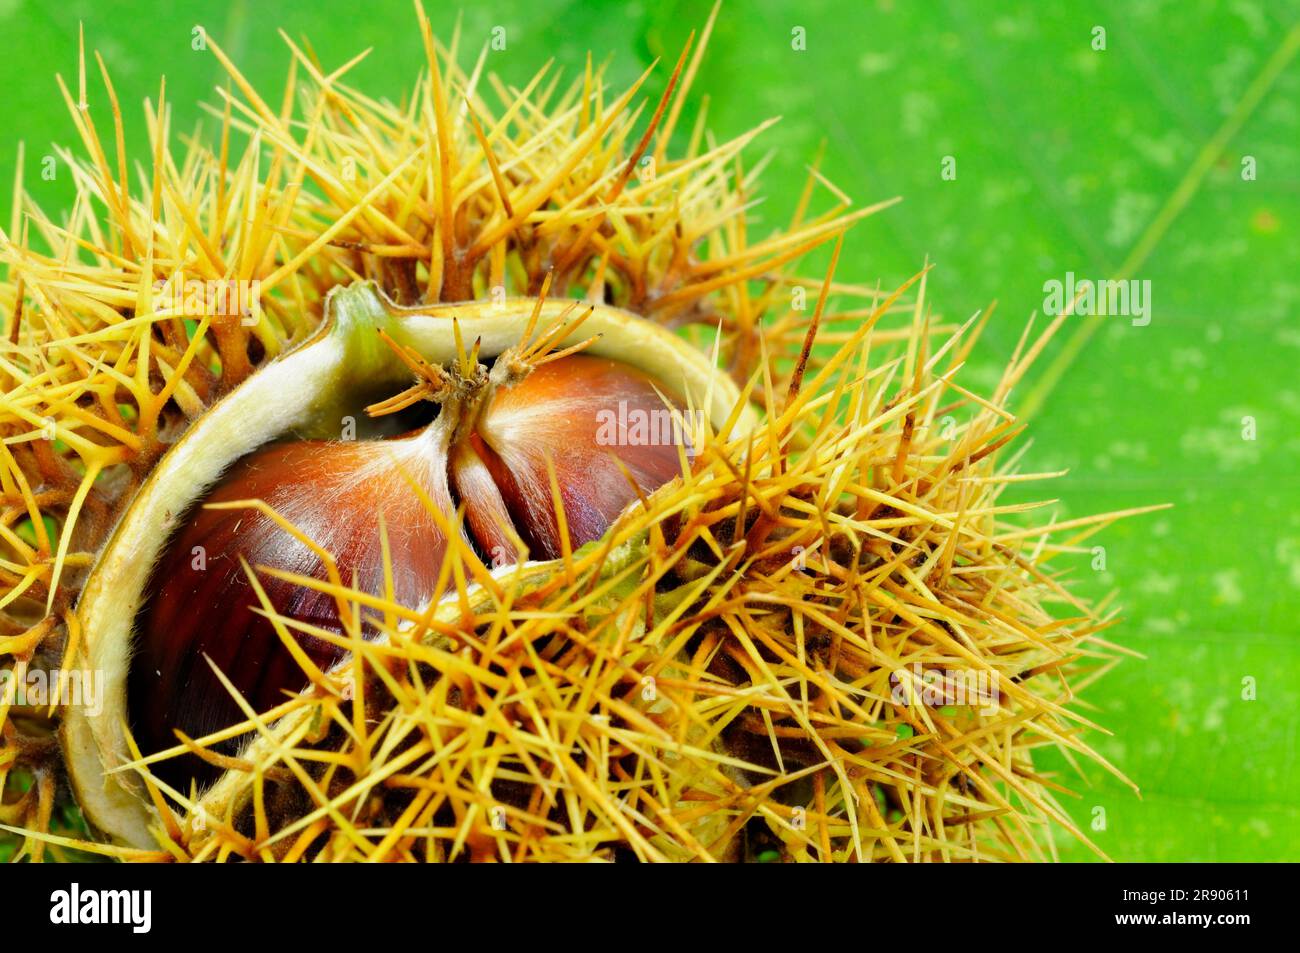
{"type": "Point", "coordinates": [1068, 159]}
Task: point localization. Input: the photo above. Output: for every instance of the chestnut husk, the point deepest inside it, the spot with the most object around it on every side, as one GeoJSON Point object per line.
{"type": "Point", "coordinates": [306, 393]}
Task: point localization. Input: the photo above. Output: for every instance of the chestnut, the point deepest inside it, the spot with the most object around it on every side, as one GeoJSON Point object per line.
{"type": "Point", "coordinates": [596, 423]}
{"type": "Point", "coordinates": [593, 411]}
